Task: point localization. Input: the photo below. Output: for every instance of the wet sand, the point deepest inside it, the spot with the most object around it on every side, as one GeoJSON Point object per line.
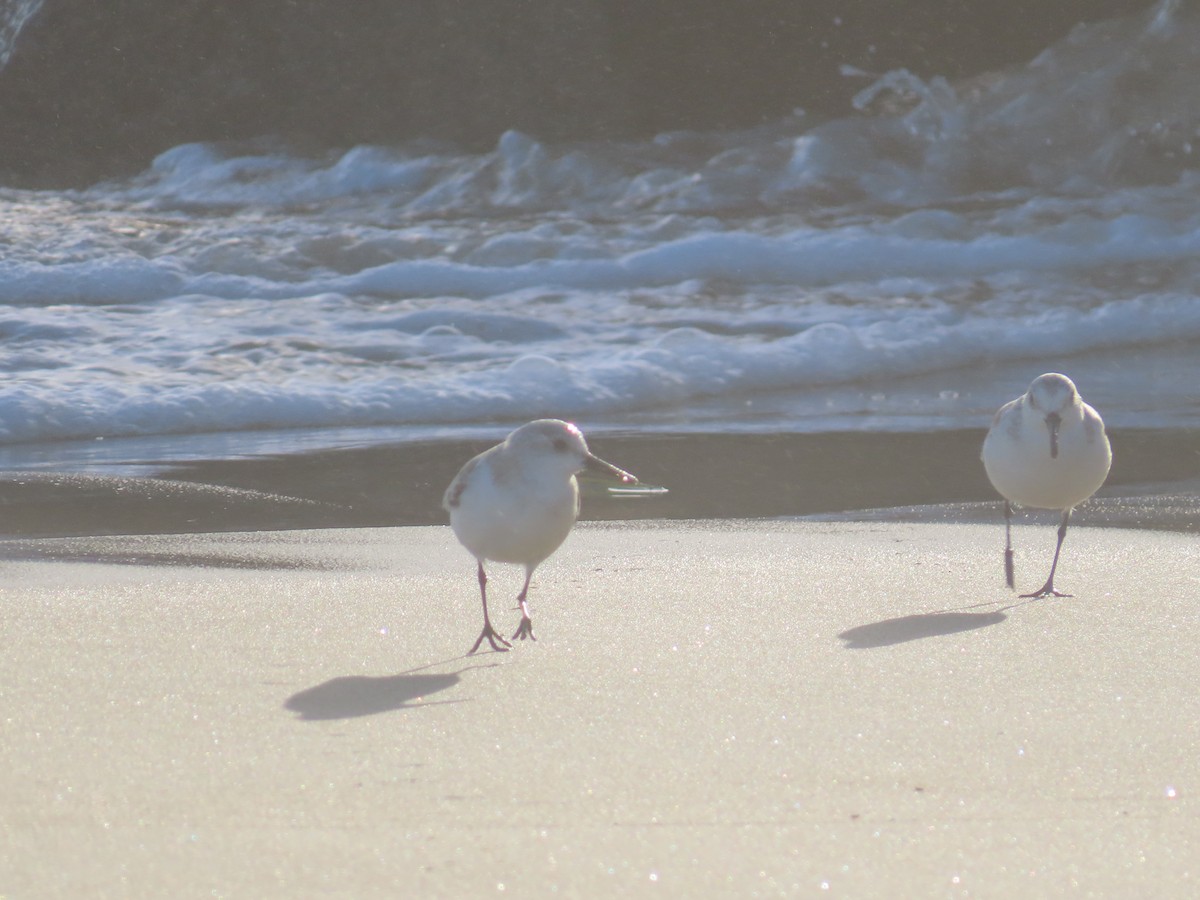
{"type": "Point", "coordinates": [709, 476]}
{"type": "Point", "coordinates": [721, 708]}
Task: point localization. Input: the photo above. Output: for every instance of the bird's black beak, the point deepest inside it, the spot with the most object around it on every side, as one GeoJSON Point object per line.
{"type": "Point", "coordinates": [594, 465]}
{"type": "Point", "coordinates": [1053, 422]}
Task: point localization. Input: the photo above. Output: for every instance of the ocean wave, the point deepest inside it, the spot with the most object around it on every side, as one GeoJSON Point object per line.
{"type": "Point", "coordinates": [467, 368]}
{"type": "Point", "coordinates": [1111, 104]}
{"type": "Point", "coordinates": [1047, 213]}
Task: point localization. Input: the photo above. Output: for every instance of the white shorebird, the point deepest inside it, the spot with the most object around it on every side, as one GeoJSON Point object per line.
{"type": "Point", "coordinates": [516, 503]}
{"type": "Point", "coordinates": [1046, 449]}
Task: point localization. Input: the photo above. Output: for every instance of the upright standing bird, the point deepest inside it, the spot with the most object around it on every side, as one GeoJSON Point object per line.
{"type": "Point", "coordinates": [516, 503]}
{"type": "Point", "coordinates": [1046, 449]}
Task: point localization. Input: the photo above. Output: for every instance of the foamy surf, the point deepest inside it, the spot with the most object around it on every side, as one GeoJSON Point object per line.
{"type": "Point", "coordinates": [865, 272]}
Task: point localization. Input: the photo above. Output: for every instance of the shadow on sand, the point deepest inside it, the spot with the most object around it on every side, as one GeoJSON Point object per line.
{"type": "Point", "coordinates": [351, 696]}
{"type": "Point", "coordinates": [914, 628]}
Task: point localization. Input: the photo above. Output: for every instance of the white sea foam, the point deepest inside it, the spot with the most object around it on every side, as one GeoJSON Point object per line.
{"type": "Point", "coordinates": [945, 229]}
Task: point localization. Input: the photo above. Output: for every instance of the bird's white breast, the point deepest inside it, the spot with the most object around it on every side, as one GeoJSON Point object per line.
{"type": "Point", "coordinates": [509, 514]}
{"type": "Point", "coordinates": [1016, 455]}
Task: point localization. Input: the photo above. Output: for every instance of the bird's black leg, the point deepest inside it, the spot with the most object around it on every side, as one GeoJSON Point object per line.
{"type": "Point", "coordinates": [488, 631]}
{"type": "Point", "coordinates": [1047, 589]}
{"type": "Point", "coordinates": [1008, 551]}
{"type": "Point", "coordinates": [525, 629]}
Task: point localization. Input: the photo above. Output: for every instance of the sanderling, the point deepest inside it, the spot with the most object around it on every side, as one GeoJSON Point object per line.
{"type": "Point", "coordinates": [516, 503]}
{"type": "Point", "coordinates": [1046, 449]}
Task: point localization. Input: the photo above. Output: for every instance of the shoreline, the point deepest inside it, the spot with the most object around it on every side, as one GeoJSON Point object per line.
{"type": "Point", "coordinates": [1154, 483]}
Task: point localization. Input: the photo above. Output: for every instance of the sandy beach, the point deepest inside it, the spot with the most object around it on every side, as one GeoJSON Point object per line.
{"type": "Point", "coordinates": [720, 708]}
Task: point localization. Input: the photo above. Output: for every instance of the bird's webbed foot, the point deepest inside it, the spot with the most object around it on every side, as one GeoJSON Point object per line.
{"type": "Point", "coordinates": [489, 633]}
{"type": "Point", "coordinates": [524, 630]}
{"type": "Point", "coordinates": [1046, 590]}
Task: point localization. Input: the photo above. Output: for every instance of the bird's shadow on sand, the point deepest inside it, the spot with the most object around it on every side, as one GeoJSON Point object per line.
{"type": "Point", "coordinates": [923, 625]}
{"type": "Point", "coordinates": [352, 696]}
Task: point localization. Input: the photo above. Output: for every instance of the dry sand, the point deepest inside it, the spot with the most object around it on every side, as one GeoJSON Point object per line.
{"type": "Point", "coordinates": [712, 709]}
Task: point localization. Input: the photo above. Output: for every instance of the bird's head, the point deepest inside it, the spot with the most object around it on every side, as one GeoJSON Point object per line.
{"type": "Point", "coordinates": [1051, 397]}
{"type": "Point", "coordinates": [558, 444]}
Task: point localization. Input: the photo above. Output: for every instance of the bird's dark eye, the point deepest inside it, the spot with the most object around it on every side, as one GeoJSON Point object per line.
{"type": "Point", "coordinates": [560, 445]}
